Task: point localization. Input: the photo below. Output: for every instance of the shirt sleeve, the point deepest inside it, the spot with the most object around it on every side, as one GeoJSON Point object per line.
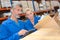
{"type": "Point", "coordinates": [38, 18]}
{"type": "Point", "coordinates": [5, 34]}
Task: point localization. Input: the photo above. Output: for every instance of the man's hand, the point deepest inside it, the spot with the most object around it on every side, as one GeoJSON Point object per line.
{"type": "Point", "coordinates": [22, 32]}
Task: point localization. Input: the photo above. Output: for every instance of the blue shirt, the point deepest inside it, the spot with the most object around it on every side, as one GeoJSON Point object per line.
{"type": "Point", "coordinates": [9, 29]}
{"type": "Point", "coordinates": [29, 25]}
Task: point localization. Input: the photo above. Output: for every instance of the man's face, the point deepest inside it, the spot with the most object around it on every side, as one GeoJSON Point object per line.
{"type": "Point", "coordinates": [29, 14]}
{"type": "Point", "coordinates": [17, 10]}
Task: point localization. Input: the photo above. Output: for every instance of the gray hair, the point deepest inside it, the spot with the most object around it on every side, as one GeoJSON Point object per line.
{"type": "Point", "coordinates": [14, 5]}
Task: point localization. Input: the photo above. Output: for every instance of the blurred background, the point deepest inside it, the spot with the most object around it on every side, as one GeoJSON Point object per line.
{"type": "Point", "coordinates": [39, 7]}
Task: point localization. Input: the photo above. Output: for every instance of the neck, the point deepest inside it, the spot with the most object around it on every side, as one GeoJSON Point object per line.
{"type": "Point", "coordinates": [32, 20]}
{"type": "Point", "coordinates": [13, 18]}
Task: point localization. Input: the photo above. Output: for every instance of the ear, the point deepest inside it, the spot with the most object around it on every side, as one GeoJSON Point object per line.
{"type": "Point", "coordinates": [12, 10]}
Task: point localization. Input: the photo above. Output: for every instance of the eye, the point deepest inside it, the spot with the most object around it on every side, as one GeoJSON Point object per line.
{"type": "Point", "coordinates": [22, 10]}
{"type": "Point", "coordinates": [18, 9]}
{"type": "Point", "coordinates": [30, 13]}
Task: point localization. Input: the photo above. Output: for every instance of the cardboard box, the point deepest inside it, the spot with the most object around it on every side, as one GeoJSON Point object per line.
{"type": "Point", "coordinates": [44, 34]}
{"type": "Point", "coordinates": [47, 22]}
{"type": "Point", "coordinates": [49, 30]}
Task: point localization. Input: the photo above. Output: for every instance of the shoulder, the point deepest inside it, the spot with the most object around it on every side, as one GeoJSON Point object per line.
{"type": "Point", "coordinates": [6, 21]}
{"type": "Point", "coordinates": [20, 21]}
{"type": "Point", "coordinates": [4, 24]}
{"type": "Point", "coordinates": [37, 17]}
{"type": "Point", "coordinates": [27, 21]}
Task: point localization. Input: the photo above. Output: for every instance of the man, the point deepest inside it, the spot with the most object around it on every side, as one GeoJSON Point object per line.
{"type": "Point", "coordinates": [12, 28]}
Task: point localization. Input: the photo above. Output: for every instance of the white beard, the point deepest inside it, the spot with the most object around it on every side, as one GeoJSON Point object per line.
{"type": "Point", "coordinates": [17, 16]}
